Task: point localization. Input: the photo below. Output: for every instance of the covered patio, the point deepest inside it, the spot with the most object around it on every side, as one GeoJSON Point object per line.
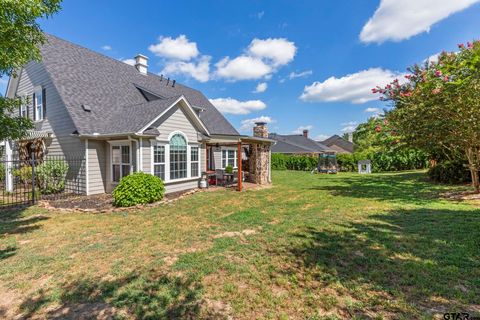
{"type": "Point", "coordinates": [250, 158]}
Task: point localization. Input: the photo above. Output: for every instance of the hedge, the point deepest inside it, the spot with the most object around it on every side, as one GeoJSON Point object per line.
{"type": "Point", "coordinates": [293, 162]}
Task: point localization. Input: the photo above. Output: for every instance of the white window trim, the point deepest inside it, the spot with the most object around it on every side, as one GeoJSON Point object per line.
{"type": "Point", "coordinates": [23, 108]}
{"type": "Point", "coordinates": [35, 107]}
{"type": "Point", "coordinates": [235, 166]}
{"type": "Point", "coordinates": [189, 152]}
{"type": "Point", "coordinates": [166, 146]}
{"type": "Point", "coordinates": [119, 143]}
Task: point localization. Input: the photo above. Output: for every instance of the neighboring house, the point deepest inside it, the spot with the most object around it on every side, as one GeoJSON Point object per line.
{"type": "Point", "coordinates": [123, 119]}
{"type": "Point", "coordinates": [298, 144]}
{"type": "Point", "coordinates": [339, 144]}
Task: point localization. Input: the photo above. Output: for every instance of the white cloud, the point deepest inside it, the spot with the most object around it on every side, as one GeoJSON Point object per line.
{"type": "Point", "coordinates": [280, 51]}
{"type": "Point", "coordinates": [349, 126]}
{"type": "Point", "coordinates": [258, 15]}
{"type": "Point", "coordinates": [433, 58]}
{"type": "Point", "coordinates": [248, 124]}
{"type": "Point", "coordinates": [233, 106]}
{"type": "Point", "coordinates": [242, 68]}
{"type": "Point", "coordinates": [260, 60]}
{"type": "Point", "coordinates": [302, 74]}
{"type": "Point", "coordinates": [106, 47]}
{"type": "Point", "coordinates": [179, 48]}
{"type": "Point", "coordinates": [199, 70]}
{"type": "Point", "coordinates": [372, 110]}
{"type": "Point", "coordinates": [300, 129]}
{"type": "Point", "coordinates": [398, 20]}
{"type": "Point", "coordinates": [129, 61]}
{"type": "Point", "coordinates": [321, 137]}
{"type": "Point", "coordinates": [355, 88]}
{"type": "Point", "coordinates": [261, 87]}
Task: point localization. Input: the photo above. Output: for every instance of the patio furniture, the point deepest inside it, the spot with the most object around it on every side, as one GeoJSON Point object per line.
{"type": "Point", "coordinates": [219, 177]}
{"type": "Point", "coordinates": [228, 178]}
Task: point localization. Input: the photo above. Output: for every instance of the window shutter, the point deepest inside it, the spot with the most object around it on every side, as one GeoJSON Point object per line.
{"type": "Point", "coordinates": [44, 103]}
{"type": "Point", "coordinates": [33, 104]}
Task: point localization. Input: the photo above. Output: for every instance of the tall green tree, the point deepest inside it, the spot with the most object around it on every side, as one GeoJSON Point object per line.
{"type": "Point", "coordinates": [20, 38]}
{"type": "Point", "coordinates": [438, 106]}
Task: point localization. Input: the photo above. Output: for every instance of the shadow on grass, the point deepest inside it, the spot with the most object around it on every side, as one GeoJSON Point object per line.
{"type": "Point", "coordinates": [137, 296]}
{"type": "Point", "coordinates": [13, 222]}
{"type": "Point", "coordinates": [404, 187]}
{"type": "Point", "coordinates": [427, 258]}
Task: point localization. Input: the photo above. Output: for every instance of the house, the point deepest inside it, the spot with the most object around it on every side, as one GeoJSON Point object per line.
{"type": "Point", "coordinates": [120, 119]}
{"type": "Point", "coordinates": [339, 144]}
{"type": "Point", "coordinates": [298, 144]}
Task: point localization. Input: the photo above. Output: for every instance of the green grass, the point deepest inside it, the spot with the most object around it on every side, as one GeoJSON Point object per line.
{"type": "Point", "coordinates": [311, 247]}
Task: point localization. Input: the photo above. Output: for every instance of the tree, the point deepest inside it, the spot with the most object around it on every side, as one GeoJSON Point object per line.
{"type": "Point", "coordinates": [20, 37]}
{"type": "Point", "coordinates": [437, 108]}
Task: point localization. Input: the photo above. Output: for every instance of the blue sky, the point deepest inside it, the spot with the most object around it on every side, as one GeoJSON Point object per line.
{"type": "Point", "coordinates": [315, 61]}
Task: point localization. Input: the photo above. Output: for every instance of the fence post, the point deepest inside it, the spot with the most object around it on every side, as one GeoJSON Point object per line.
{"type": "Point", "coordinates": [8, 167]}
{"type": "Point", "coordinates": [33, 177]}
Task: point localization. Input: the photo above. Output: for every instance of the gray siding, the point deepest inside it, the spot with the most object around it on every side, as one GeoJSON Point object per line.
{"type": "Point", "coordinates": [97, 161]}
{"type": "Point", "coordinates": [181, 186]}
{"type": "Point", "coordinates": [146, 156]}
{"type": "Point", "coordinates": [57, 119]}
{"type": "Point", "coordinates": [176, 120]}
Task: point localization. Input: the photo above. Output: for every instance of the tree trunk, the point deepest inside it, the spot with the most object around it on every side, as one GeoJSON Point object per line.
{"type": "Point", "coordinates": [473, 157]}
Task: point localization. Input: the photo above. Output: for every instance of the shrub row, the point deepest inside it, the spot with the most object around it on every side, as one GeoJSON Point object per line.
{"type": "Point", "coordinates": [385, 161]}
{"type": "Point", "coordinates": [293, 162]}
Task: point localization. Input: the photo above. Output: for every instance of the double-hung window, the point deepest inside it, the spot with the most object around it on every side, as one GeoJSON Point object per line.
{"type": "Point", "coordinates": [229, 158]}
{"type": "Point", "coordinates": [38, 104]}
{"type": "Point", "coordinates": [159, 161]}
{"type": "Point", "coordinates": [194, 162]}
{"type": "Point", "coordinates": [178, 157]}
{"type": "Point", "coordinates": [121, 162]}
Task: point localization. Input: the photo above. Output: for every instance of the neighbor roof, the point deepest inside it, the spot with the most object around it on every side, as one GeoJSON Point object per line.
{"type": "Point", "coordinates": [340, 142]}
{"type": "Point", "coordinates": [296, 144]}
{"type": "Point", "coordinates": [111, 89]}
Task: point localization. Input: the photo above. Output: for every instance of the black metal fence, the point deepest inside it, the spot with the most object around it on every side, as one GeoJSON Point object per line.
{"type": "Point", "coordinates": [24, 182]}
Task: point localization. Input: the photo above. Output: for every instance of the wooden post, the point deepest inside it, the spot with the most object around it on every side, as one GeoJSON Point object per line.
{"type": "Point", "coordinates": [239, 165]}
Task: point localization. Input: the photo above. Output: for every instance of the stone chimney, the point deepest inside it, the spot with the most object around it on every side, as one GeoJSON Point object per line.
{"type": "Point", "coordinates": [305, 133]}
{"type": "Point", "coordinates": [260, 130]}
{"type": "Point", "coordinates": [141, 63]}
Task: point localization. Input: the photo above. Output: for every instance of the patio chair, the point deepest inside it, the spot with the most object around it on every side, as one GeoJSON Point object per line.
{"type": "Point", "coordinates": [220, 181]}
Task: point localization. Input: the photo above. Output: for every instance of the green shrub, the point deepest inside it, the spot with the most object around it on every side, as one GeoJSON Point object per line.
{"type": "Point", "coordinates": [294, 162]}
{"type": "Point", "coordinates": [51, 176]}
{"type": "Point", "coordinates": [450, 172]}
{"type": "Point", "coordinates": [2, 172]}
{"type": "Point", "coordinates": [24, 174]}
{"type": "Point", "coordinates": [347, 162]}
{"type": "Point", "coordinates": [228, 169]}
{"type": "Point", "coordinates": [138, 188]}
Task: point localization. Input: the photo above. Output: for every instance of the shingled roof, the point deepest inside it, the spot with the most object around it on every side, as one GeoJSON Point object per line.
{"type": "Point", "coordinates": [296, 144]}
{"type": "Point", "coordinates": [110, 88]}
{"type": "Point", "coordinates": [336, 140]}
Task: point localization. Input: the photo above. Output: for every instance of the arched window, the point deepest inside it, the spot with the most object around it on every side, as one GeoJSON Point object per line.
{"type": "Point", "coordinates": [178, 157]}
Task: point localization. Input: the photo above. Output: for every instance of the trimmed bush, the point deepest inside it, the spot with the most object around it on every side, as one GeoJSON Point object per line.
{"type": "Point", "coordinates": [293, 162]}
{"type": "Point", "coordinates": [138, 188]}
{"type": "Point", "coordinates": [228, 169]}
{"type": "Point", "coordinates": [51, 176]}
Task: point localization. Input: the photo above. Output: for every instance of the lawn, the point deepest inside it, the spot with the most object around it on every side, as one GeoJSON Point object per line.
{"type": "Point", "coordinates": [311, 247]}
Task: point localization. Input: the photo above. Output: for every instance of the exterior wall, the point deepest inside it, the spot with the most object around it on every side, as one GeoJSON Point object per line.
{"type": "Point", "coordinates": [173, 121]}
{"type": "Point", "coordinates": [176, 120]}
{"type": "Point", "coordinates": [97, 166]}
{"type": "Point", "coordinates": [57, 118]}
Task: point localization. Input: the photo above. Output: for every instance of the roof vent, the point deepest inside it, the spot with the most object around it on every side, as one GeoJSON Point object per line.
{"type": "Point", "coordinates": [141, 63]}
{"type": "Point", "coordinates": [86, 108]}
